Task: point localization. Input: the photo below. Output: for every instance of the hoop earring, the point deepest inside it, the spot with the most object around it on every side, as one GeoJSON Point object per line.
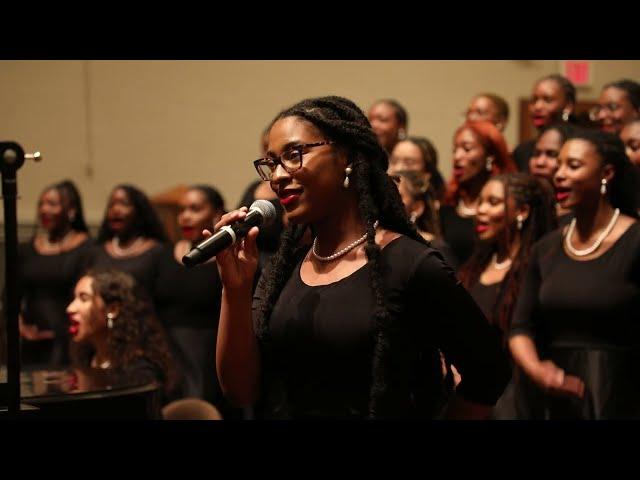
{"type": "Point", "coordinates": [489, 164]}
{"type": "Point", "coordinates": [520, 221]}
{"type": "Point", "coordinates": [565, 115]}
{"type": "Point", "coordinates": [603, 187]}
{"type": "Point", "coordinates": [347, 171]}
{"type": "Point", "coordinates": [110, 318]}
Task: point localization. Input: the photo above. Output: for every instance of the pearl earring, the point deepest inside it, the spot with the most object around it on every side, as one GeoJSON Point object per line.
{"type": "Point", "coordinates": [565, 115]}
{"type": "Point", "coordinates": [347, 171]}
{"type": "Point", "coordinates": [520, 221]}
{"type": "Point", "coordinates": [603, 186]}
{"type": "Point", "coordinates": [110, 318]}
{"type": "Point", "coordinates": [489, 164]}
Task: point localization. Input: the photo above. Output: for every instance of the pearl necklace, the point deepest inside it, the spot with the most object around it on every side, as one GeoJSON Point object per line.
{"type": "Point", "coordinates": [124, 252]}
{"type": "Point", "coordinates": [500, 266]}
{"type": "Point", "coordinates": [598, 242]}
{"type": "Point", "coordinates": [466, 211]}
{"type": "Point", "coordinates": [57, 244]}
{"type": "Point", "coordinates": [342, 252]}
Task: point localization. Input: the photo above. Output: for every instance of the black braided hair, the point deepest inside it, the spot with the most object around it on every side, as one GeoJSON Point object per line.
{"type": "Point", "coordinates": [525, 189]}
{"type": "Point", "coordinates": [342, 121]}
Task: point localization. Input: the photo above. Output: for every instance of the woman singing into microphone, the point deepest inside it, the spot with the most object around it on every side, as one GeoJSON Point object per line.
{"type": "Point", "coordinates": [351, 327]}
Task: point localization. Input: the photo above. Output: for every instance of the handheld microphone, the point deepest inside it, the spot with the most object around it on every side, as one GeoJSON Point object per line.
{"type": "Point", "coordinates": [261, 212]}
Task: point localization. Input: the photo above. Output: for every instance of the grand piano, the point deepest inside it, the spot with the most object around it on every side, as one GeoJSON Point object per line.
{"type": "Point", "coordinates": [83, 393]}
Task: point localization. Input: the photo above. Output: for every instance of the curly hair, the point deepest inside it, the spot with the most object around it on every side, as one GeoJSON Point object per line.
{"type": "Point", "coordinates": [136, 333]}
{"type": "Point", "coordinates": [524, 189]}
{"type": "Point", "coordinates": [147, 222]}
{"type": "Point", "coordinates": [342, 121]}
{"type": "Point", "coordinates": [622, 189]}
{"type": "Point", "coordinates": [494, 144]}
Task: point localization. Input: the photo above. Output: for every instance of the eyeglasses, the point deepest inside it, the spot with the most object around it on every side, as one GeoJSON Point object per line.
{"type": "Point", "coordinates": [290, 159]}
{"type": "Point", "coordinates": [610, 107]}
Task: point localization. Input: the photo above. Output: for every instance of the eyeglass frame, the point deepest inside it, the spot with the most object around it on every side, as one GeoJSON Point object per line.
{"type": "Point", "coordinates": [277, 160]}
{"type": "Point", "coordinates": [596, 109]}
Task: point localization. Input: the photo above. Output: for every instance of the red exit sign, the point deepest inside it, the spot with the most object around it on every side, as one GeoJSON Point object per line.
{"type": "Point", "coordinates": [579, 72]}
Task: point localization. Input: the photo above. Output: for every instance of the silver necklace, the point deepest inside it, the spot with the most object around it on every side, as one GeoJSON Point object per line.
{"type": "Point", "coordinates": [342, 252]}
{"type": "Point", "coordinates": [599, 240]}
{"type": "Point", "coordinates": [466, 211]}
{"type": "Point", "coordinates": [123, 252]}
{"type": "Point", "coordinates": [500, 266]}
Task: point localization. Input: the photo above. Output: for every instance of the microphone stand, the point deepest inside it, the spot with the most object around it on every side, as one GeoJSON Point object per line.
{"type": "Point", "coordinates": [12, 157]}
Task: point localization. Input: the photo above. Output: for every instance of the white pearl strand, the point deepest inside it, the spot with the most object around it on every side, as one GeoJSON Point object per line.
{"type": "Point", "coordinates": [345, 250]}
{"type": "Point", "coordinates": [466, 211]}
{"type": "Point", "coordinates": [598, 242]}
{"type": "Point", "coordinates": [123, 252]}
{"type": "Point", "coordinates": [57, 244]}
{"type": "Point", "coordinates": [500, 266]}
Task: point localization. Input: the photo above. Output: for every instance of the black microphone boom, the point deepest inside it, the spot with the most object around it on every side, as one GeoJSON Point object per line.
{"type": "Point", "coordinates": [261, 213]}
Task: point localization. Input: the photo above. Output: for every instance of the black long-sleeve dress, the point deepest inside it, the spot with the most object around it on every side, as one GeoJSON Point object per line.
{"type": "Point", "coordinates": [515, 402]}
{"type": "Point", "coordinates": [317, 361]}
{"type": "Point", "coordinates": [585, 317]}
{"type": "Point", "coordinates": [188, 305]}
{"type": "Point", "coordinates": [458, 232]}
{"type": "Point", "coordinates": [46, 286]}
{"type": "Point", "coordinates": [143, 268]}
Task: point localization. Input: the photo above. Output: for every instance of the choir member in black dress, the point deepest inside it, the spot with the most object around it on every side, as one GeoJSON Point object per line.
{"type": "Point", "coordinates": [514, 211]}
{"type": "Point", "coordinates": [419, 154]}
{"type": "Point", "coordinates": [576, 329]}
{"type": "Point", "coordinates": [389, 121]}
{"type": "Point", "coordinates": [552, 101]}
{"type": "Point", "coordinates": [113, 327]}
{"type": "Point", "coordinates": [49, 265]}
{"type": "Point", "coordinates": [420, 206]}
{"type": "Point", "coordinates": [544, 160]}
{"type": "Point", "coordinates": [619, 103]}
{"type": "Point", "coordinates": [355, 333]}
{"type": "Point", "coordinates": [188, 300]}
{"type": "Point", "coordinates": [130, 237]}
{"type": "Point", "coordinates": [479, 152]}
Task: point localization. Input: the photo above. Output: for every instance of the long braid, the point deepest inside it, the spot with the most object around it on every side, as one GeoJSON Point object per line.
{"type": "Point", "coordinates": [343, 122]}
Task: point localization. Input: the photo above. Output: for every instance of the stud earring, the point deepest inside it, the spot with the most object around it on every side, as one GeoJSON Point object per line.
{"type": "Point", "coordinates": [520, 221]}
{"type": "Point", "coordinates": [489, 164]}
{"type": "Point", "coordinates": [565, 115]}
{"type": "Point", "coordinates": [603, 186]}
{"type": "Point", "coordinates": [347, 171]}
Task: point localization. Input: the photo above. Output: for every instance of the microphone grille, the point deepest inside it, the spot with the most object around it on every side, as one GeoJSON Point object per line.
{"type": "Point", "coordinates": [267, 209]}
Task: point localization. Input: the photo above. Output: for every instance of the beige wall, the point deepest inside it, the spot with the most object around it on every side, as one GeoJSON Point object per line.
{"type": "Point", "coordinates": [160, 123]}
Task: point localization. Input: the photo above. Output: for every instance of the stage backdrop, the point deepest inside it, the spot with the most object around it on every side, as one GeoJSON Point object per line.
{"type": "Point", "coordinates": [157, 124]}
